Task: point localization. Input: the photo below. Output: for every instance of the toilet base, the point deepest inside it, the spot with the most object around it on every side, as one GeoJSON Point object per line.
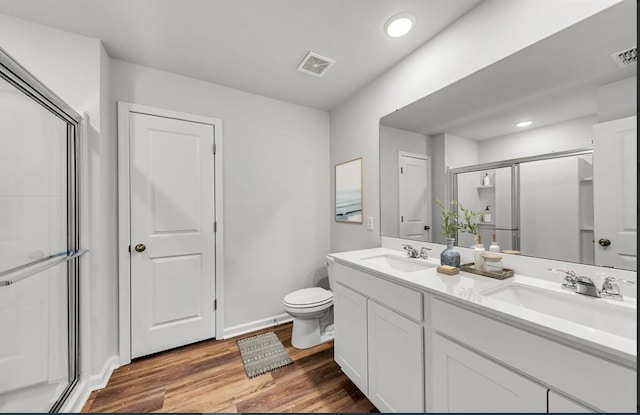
{"type": "Point", "coordinates": [308, 333]}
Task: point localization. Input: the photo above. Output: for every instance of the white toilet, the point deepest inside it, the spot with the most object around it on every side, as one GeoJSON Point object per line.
{"type": "Point", "coordinates": [312, 312]}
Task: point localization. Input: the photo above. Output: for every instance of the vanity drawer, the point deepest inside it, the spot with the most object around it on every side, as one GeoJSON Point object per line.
{"type": "Point", "coordinates": [396, 297]}
{"type": "Point", "coordinates": [600, 383]}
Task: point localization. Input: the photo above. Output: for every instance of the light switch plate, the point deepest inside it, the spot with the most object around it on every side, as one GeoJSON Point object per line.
{"type": "Point", "coordinates": [370, 223]}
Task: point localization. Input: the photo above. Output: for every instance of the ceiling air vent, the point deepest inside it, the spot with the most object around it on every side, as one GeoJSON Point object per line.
{"type": "Point", "coordinates": [315, 65]}
{"type": "Point", "coordinates": [626, 57]}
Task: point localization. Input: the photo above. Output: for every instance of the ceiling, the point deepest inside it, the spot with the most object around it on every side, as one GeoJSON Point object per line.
{"type": "Point", "coordinates": [252, 45]}
{"type": "Point", "coordinates": [551, 81]}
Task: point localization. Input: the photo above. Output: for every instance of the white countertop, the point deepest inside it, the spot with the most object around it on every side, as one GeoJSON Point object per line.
{"type": "Point", "coordinates": [467, 289]}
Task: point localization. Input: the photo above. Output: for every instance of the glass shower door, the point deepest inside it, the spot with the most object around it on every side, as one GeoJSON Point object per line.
{"type": "Point", "coordinates": [38, 248]}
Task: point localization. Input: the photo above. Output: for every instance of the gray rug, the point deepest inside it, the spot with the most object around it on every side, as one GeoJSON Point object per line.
{"type": "Point", "coordinates": [262, 353]}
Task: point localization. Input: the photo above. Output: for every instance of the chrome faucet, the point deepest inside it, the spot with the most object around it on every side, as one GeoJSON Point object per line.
{"type": "Point", "coordinates": [411, 252]}
{"type": "Point", "coordinates": [581, 285]}
{"type": "Point", "coordinates": [585, 286]}
{"type": "Point", "coordinates": [611, 290]}
{"type": "Point", "coordinates": [424, 252]}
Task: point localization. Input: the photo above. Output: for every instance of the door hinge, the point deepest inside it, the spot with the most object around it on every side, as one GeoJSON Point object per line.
{"type": "Point", "coordinates": [215, 304]}
{"type": "Point", "coordinates": [401, 219]}
{"type": "Point", "coordinates": [215, 227]}
{"type": "Point", "coordinates": [129, 248]}
{"type": "Point", "coordinates": [214, 148]}
{"type": "Point", "coordinates": [401, 171]}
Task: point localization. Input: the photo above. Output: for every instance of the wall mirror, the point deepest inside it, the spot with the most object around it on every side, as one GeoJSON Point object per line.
{"type": "Point", "coordinates": [563, 187]}
{"type": "Point", "coordinates": [348, 185]}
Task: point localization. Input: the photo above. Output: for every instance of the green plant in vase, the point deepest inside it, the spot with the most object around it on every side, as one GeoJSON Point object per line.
{"type": "Point", "coordinates": [469, 226]}
{"type": "Point", "coordinates": [450, 227]}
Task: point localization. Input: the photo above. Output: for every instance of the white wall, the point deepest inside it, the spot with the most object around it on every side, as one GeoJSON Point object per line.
{"type": "Point", "coordinates": [567, 135]}
{"type": "Point", "coordinates": [460, 152]}
{"type": "Point", "coordinates": [276, 180]}
{"type": "Point", "coordinates": [354, 125]}
{"type": "Point", "coordinates": [393, 140]}
{"type": "Point", "coordinates": [73, 67]}
{"type": "Point", "coordinates": [618, 99]}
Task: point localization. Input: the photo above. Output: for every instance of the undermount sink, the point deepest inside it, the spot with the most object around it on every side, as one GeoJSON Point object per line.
{"type": "Point", "coordinates": [397, 263]}
{"type": "Point", "coordinates": [596, 313]}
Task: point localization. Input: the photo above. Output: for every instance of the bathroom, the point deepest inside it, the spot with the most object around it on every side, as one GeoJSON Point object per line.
{"type": "Point", "coordinates": [276, 219]}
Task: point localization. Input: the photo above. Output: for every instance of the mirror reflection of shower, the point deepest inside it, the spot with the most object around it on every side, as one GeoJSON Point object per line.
{"type": "Point", "coordinates": [540, 206]}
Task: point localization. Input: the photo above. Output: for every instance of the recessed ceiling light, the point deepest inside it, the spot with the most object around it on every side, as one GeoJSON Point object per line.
{"type": "Point", "coordinates": [399, 25]}
{"type": "Point", "coordinates": [523, 124]}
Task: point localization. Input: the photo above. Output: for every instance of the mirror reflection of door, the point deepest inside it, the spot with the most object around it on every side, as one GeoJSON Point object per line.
{"type": "Point", "coordinates": [615, 169]}
{"type": "Point", "coordinates": [414, 197]}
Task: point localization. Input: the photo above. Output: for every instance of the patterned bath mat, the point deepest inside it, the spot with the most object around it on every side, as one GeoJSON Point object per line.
{"type": "Point", "coordinates": [262, 353]}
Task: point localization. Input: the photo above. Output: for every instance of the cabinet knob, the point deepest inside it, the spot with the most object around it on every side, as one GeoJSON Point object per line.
{"type": "Point", "coordinates": [140, 248]}
{"type": "Point", "coordinates": [604, 242]}
{"type": "Point", "coordinates": [427, 227]}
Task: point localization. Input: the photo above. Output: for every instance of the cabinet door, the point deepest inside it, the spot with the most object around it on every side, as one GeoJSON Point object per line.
{"type": "Point", "coordinates": [464, 381]}
{"type": "Point", "coordinates": [396, 363]}
{"type": "Point", "coordinates": [559, 404]}
{"type": "Point", "coordinates": [350, 324]}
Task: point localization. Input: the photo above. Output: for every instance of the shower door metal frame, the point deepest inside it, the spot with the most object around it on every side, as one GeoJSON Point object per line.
{"type": "Point", "coordinates": [514, 164]}
{"type": "Point", "coordinates": [16, 75]}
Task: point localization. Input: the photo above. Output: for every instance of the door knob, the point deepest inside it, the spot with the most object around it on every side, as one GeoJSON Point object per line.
{"type": "Point", "coordinates": [604, 242]}
{"type": "Point", "coordinates": [427, 227]}
{"type": "Point", "coordinates": [140, 247]}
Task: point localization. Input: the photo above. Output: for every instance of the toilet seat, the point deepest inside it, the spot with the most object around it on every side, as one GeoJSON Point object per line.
{"type": "Point", "coordinates": [315, 297]}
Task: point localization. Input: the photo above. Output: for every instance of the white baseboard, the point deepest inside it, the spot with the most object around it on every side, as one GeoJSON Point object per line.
{"type": "Point", "coordinates": [83, 389]}
{"type": "Point", "coordinates": [256, 325]}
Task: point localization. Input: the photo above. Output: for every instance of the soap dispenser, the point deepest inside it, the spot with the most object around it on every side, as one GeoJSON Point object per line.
{"type": "Point", "coordinates": [485, 180]}
{"type": "Point", "coordinates": [486, 216]}
{"type": "Point", "coordinates": [477, 253]}
{"type": "Point", "coordinates": [494, 247]}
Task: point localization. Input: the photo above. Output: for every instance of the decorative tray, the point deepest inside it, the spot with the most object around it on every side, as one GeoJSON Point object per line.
{"type": "Point", "coordinates": [470, 267]}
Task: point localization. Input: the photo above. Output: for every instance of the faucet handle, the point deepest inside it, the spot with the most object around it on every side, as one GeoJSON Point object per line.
{"type": "Point", "coordinates": [614, 279]}
{"type": "Point", "coordinates": [570, 278]}
{"type": "Point", "coordinates": [611, 290]}
{"type": "Point", "coordinates": [411, 252]}
{"type": "Point", "coordinates": [424, 252]}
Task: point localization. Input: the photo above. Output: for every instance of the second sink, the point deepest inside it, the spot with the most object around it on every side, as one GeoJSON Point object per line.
{"type": "Point", "coordinates": [398, 263]}
{"type": "Point", "coordinates": [615, 318]}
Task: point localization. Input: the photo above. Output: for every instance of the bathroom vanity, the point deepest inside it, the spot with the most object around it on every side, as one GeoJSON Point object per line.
{"type": "Point", "coordinates": [415, 340]}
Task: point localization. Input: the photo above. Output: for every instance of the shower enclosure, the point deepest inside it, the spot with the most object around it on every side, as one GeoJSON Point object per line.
{"type": "Point", "coordinates": [541, 205]}
{"type": "Point", "coordinates": [39, 244]}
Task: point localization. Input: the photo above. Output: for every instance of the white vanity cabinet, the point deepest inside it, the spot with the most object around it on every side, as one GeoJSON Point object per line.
{"type": "Point", "coordinates": [600, 383]}
{"type": "Point", "coordinates": [378, 339]}
{"type": "Point", "coordinates": [465, 381]}
{"type": "Point", "coordinates": [350, 326]}
{"type": "Point", "coordinates": [411, 349]}
{"type": "Point", "coordinates": [395, 361]}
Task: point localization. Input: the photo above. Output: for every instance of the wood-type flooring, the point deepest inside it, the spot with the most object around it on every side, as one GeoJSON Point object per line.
{"type": "Point", "coordinates": [209, 377]}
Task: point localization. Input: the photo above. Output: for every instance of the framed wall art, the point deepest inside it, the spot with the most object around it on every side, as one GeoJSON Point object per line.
{"type": "Point", "coordinates": [348, 185]}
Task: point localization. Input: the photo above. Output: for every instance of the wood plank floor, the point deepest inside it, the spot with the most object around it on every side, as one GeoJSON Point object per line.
{"type": "Point", "coordinates": [209, 377]}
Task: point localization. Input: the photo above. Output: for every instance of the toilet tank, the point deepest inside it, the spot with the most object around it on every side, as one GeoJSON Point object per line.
{"type": "Point", "coordinates": [329, 260]}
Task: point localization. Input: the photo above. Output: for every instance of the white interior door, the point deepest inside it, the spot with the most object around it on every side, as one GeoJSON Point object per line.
{"type": "Point", "coordinates": [615, 204]}
{"type": "Point", "coordinates": [172, 233]}
{"type": "Point", "coordinates": [413, 195]}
